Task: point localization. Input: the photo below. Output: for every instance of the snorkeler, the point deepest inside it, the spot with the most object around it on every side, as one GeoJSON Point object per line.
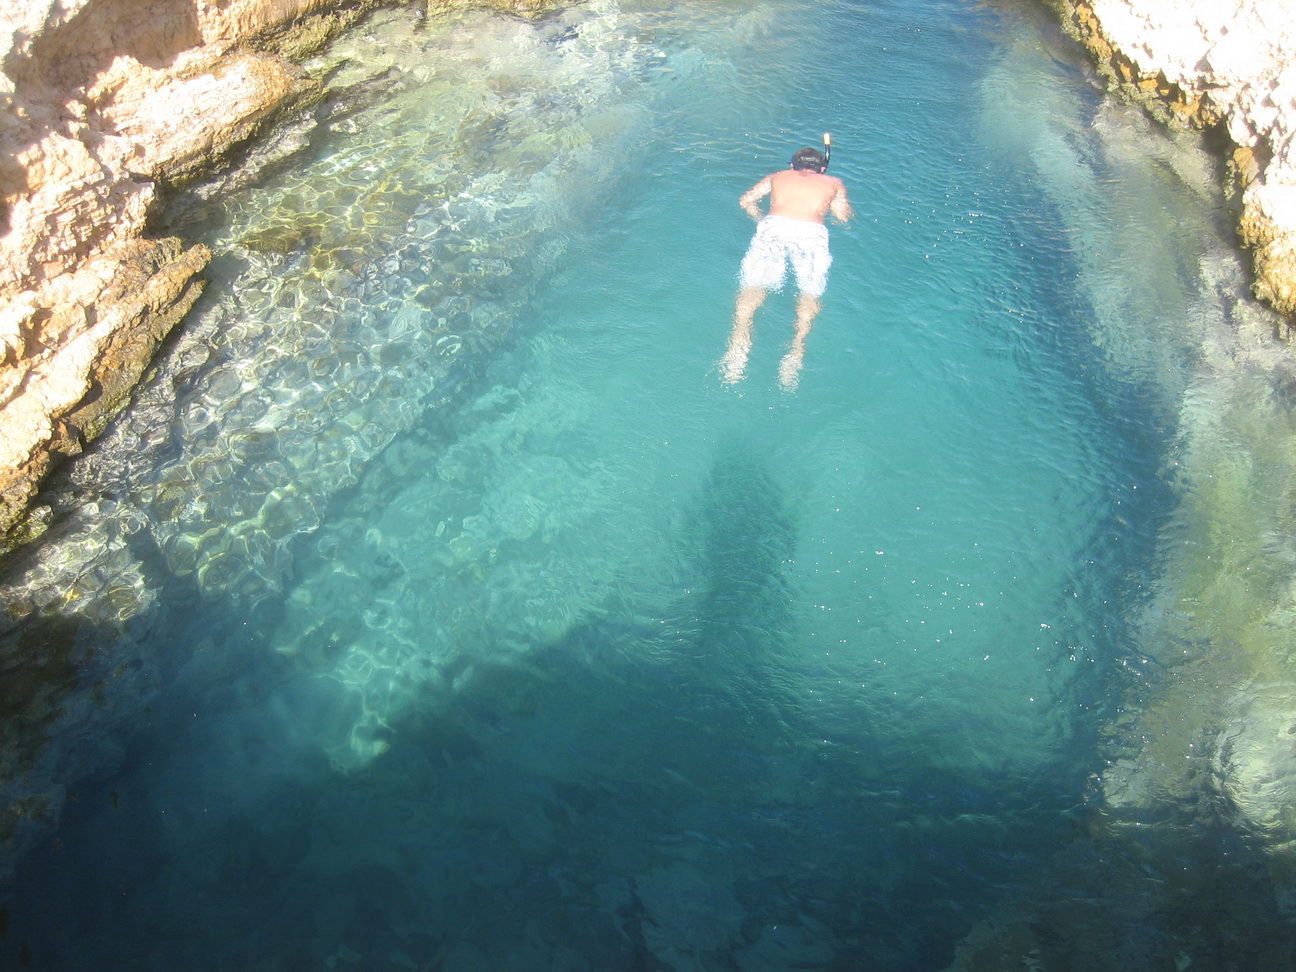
{"type": "Point", "coordinates": [794, 230]}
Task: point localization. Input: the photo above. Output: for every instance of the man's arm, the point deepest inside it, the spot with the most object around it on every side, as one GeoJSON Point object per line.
{"type": "Point", "coordinates": [840, 206]}
{"type": "Point", "coordinates": [752, 196]}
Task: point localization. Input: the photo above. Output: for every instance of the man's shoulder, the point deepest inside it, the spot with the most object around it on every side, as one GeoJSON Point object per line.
{"type": "Point", "coordinates": [802, 177]}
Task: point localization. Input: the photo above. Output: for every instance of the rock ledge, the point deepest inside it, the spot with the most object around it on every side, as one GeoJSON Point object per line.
{"type": "Point", "coordinates": [1229, 67]}
{"type": "Point", "coordinates": [105, 104]}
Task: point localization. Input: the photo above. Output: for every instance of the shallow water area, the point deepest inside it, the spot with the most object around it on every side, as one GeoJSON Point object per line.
{"type": "Point", "coordinates": [437, 606]}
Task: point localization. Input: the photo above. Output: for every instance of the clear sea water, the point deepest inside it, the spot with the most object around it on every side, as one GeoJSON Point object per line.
{"type": "Point", "coordinates": [437, 607]}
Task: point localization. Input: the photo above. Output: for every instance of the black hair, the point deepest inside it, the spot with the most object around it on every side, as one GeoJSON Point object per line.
{"type": "Point", "coordinates": [810, 158]}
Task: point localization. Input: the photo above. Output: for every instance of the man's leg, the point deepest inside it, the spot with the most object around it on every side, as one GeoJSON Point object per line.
{"type": "Point", "coordinates": [790, 367]}
{"type": "Point", "coordinates": [734, 363]}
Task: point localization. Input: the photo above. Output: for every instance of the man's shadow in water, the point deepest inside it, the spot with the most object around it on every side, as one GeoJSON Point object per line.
{"type": "Point", "coordinates": [679, 687]}
{"type": "Point", "coordinates": [690, 736]}
{"type": "Point", "coordinates": [550, 785]}
{"type": "Point", "coordinates": [605, 754]}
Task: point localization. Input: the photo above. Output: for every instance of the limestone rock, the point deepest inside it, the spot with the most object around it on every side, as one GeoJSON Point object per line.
{"type": "Point", "coordinates": [177, 127]}
{"type": "Point", "coordinates": [95, 332]}
{"type": "Point", "coordinates": [103, 102]}
{"type": "Point", "coordinates": [99, 107]}
{"type": "Point", "coordinates": [1204, 64]}
{"type": "Point", "coordinates": [1269, 228]}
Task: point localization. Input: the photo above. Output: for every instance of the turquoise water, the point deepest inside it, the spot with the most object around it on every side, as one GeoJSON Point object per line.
{"type": "Point", "coordinates": [436, 606]}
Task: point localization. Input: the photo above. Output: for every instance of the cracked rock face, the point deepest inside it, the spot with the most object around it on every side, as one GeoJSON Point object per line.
{"type": "Point", "coordinates": [1203, 63]}
{"type": "Point", "coordinates": [100, 107]}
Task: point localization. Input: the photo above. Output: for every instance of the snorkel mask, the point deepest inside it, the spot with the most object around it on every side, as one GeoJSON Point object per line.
{"type": "Point", "coordinates": [809, 158]}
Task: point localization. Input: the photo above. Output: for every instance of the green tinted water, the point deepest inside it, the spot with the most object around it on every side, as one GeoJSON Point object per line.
{"type": "Point", "coordinates": [437, 606]}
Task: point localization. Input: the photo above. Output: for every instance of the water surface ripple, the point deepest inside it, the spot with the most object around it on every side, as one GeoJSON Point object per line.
{"type": "Point", "coordinates": [435, 606]}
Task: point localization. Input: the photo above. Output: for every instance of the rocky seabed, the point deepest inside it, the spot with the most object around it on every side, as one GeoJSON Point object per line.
{"type": "Point", "coordinates": [359, 289]}
{"type": "Point", "coordinates": [1194, 802]}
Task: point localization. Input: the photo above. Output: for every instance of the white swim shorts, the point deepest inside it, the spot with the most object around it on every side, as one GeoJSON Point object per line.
{"type": "Point", "coordinates": [779, 239]}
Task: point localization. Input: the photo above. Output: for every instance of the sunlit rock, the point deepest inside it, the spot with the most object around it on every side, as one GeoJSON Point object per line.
{"type": "Point", "coordinates": [101, 104]}
{"type": "Point", "coordinates": [101, 107]}
{"type": "Point", "coordinates": [98, 330]}
{"type": "Point", "coordinates": [1231, 66]}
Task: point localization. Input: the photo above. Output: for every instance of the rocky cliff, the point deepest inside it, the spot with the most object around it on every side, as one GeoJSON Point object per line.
{"type": "Point", "coordinates": [104, 104]}
{"type": "Point", "coordinates": [1227, 67]}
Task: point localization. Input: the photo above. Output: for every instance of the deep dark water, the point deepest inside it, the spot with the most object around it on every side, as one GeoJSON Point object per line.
{"type": "Point", "coordinates": [632, 791]}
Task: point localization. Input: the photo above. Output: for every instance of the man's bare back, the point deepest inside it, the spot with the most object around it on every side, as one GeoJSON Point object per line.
{"type": "Point", "coordinates": [799, 194]}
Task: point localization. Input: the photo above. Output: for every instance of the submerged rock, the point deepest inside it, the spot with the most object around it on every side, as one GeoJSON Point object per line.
{"type": "Point", "coordinates": [354, 292]}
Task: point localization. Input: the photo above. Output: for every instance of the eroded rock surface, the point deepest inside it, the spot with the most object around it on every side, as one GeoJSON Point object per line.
{"type": "Point", "coordinates": [1207, 64]}
{"type": "Point", "coordinates": [103, 106]}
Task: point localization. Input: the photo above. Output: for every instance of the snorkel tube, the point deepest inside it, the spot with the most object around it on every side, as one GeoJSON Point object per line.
{"type": "Point", "coordinates": [827, 142]}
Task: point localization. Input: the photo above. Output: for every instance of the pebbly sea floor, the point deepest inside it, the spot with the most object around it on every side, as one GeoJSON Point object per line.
{"type": "Point", "coordinates": [436, 606]}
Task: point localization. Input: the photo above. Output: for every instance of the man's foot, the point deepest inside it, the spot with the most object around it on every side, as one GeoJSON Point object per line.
{"type": "Point", "coordinates": [790, 371]}
{"type": "Point", "coordinates": [732, 366]}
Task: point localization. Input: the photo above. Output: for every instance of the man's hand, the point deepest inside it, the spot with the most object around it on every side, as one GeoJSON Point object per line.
{"type": "Point", "coordinates": [840, 206]}
{"type": "Point", "coordinates": [752, 196]}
